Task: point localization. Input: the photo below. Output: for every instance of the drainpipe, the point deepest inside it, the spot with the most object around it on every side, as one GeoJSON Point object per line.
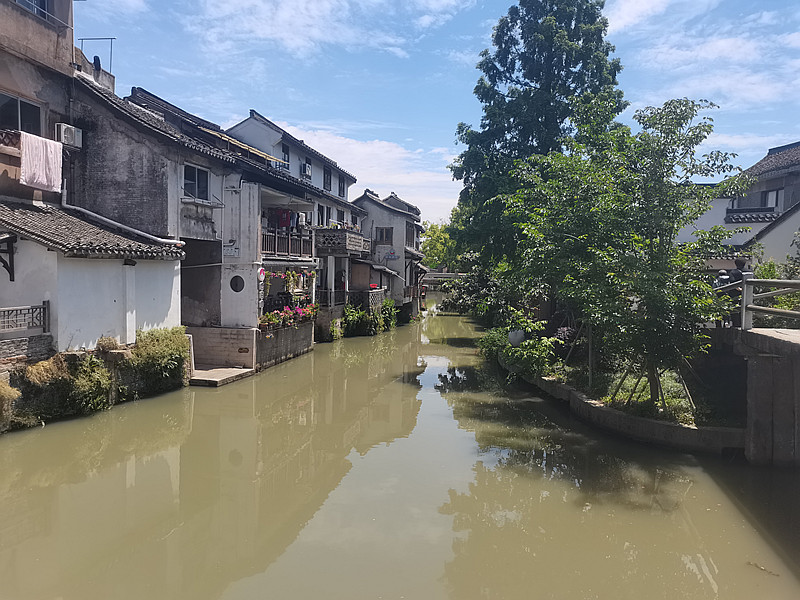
{"type": "Point", "coordinates": [112, 223]}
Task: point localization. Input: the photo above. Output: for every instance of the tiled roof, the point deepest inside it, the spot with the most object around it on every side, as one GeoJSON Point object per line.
{"type": "Point", "coordinates": [58, 229]}
{"type": "Point", "coordinates": [373, 197]}
{"type": "Point", "coordinates": [259, 117]}
{"type": "Point", "coordinates": [777, 159]}
{"type": "Point", "coordinates": [754, 217]}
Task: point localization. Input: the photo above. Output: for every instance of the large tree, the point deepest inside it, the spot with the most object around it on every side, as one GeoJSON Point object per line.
{"type": "Point", "coordinates": [599, 226]}
{"type": "Point", "coordinates": [547, 54]}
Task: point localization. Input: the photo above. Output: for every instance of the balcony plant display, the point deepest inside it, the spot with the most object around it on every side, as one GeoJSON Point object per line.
{"type": "Point", "coordinates": [287, 317]}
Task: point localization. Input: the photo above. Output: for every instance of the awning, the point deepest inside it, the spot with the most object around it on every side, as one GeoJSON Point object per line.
{"type": "Point", "coordinates": [273, 198]}
{"type": "Point", "coordinates": [377, 267]}
{"type": "Point", "coordinates": [242, 145]}
{"type": "Point", "coordinates": [412, 253]}
{"type": "Point", "coordinates": [277, 261]}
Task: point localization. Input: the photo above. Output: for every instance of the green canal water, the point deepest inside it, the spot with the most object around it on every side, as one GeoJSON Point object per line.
{"type": "Point", "coordinates": [387, 467]}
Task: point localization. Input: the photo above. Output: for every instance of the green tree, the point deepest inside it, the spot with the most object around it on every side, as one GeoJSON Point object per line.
{"type": "Point", "coordinates": [547, 53]}
{"type": "Point", "coordinates": [599, 227]}
{"type": "Point", "coordinates": [438, 247]}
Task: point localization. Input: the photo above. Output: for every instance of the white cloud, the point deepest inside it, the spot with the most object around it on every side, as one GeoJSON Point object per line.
{"type": "Point", "coordinates": [419, 176]}
{"type": "Point", "coordinates": [305, 27]}
{"type": "Point", "coordinates": [624, 14]}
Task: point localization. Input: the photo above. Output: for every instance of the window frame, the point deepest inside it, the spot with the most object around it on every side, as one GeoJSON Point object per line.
{"type": "Point", "coordinates": [776, 194]}
{"type": "Point", "coordinates": [40, 8]}
{"type": "Point", "coordinates": [196, 195]}
{"type": "Point", "coordinates": [327, 178]}
{"type": "Point", "coordinates": [381, 239]}
{"type": "Point", "coordinates": [19, 102]}
{"type": "Point", "coordinates": [308, 170]}
{"type": "Point", "coordinates": [342, 186]}
{"type": "Point", "coordinates": [287, 156]}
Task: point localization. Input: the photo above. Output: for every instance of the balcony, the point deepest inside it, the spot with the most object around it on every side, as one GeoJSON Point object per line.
{"type": "Point", "coordinates": [340, 242]}
{"type": "Point", "coordinates": [23, 318]}
{"type": "Point", "coordinates": [280, 242]}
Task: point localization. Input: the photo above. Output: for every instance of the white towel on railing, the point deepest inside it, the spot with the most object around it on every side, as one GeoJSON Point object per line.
{"type": "Point", "coordinates": [40, 160]}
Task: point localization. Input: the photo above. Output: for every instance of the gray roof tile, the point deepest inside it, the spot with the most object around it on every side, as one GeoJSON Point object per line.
{"type": "Point", "coordinates": [58, 229]}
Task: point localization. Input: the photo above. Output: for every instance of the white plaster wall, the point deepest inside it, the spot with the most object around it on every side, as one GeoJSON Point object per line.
{"type": "Point", "coordinates": [158, 294]}
{"type": "Point", "coordinates": [716, 216]}
{"type": "Point", "coordinates": [777, 242]}
{"type": "Point", "coordinates": [34, 276]}
{"type": "Point", "coordinates": [239, 309]}
{"type": "Point", "coordinates": [91, 302]}
{"type": "Point", "coordinates": [242, 222]}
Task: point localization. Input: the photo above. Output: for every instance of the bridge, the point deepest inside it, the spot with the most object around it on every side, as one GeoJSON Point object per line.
{"type": "Point", "coordinates": [434, 281]}
{"type": "Point", "coordinates": [772, 359]}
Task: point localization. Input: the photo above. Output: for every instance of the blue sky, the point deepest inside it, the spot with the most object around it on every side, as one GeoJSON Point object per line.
{"type": "Point", "coordinates": [380, 85]}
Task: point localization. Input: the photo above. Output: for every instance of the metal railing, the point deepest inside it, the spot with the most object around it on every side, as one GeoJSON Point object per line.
{"type": "Point", "coordinates": [331, 297]}
{"type": "Point", "coordinates": [748, 308]}
{"type": "Point", "coordinates": [21, 318]}
{"type": "Point", "coordinates": [286, 243]}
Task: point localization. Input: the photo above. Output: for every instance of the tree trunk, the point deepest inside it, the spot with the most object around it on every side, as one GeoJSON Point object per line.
{"type": "Point", "coordinates": [652, 378]}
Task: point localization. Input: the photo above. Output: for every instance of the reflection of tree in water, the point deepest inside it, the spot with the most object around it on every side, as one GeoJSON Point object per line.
{"type": "Point", "coordinates": [552, 510]}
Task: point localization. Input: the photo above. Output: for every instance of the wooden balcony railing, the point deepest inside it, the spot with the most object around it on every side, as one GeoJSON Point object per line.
{"type": "Point", "coordinates": [280, 242]}
{"type": "Point", "coordinates": [340, 241]}
{"type": "Point", "coordinates": [21, 318]}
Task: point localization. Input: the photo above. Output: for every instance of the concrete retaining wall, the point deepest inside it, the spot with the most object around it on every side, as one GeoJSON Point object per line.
{"type": "Point", "coordinates": [278, 345]}
{"type": "Point", "coordinates": [223, 346]}
{"type": "Point", "coordinates": [714, 440]}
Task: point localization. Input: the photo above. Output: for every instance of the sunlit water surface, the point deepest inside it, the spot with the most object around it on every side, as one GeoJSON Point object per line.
{"type": "Point", "coordinates": [386, 467]}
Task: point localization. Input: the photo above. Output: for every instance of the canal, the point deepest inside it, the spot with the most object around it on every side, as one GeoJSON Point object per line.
{"type": "Point", "coordinates": [386, 467]}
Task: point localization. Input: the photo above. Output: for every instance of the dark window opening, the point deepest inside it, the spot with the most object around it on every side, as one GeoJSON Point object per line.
{"type": "Point", "coordinates": [195, 182]}
{"type": "Point", "coordinates": [326, 178]}
{"type": "Point", "coordinates": [383, 235]}
{"type": "Point", "coordinates": [20, 115]}
{"type": "Point", "coordinates": [286, 156]}
{"type": "Point", "coordinates": [342, 187]}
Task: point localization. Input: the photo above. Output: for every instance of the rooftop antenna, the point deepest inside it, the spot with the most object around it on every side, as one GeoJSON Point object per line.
{"type": "Point", "coordinates": [110, 41]}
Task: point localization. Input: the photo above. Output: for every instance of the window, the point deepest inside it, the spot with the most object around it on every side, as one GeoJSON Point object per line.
{"type": "Point", "coordinates": [20, 115]}
{"type": "Point", "coordinates": [320, 215]}
{"type": "Point", "coordinates": [410, 231]}
{"type": "Point", "coordinates": [354, 220]}
{"type": "Point", "coordinates": [342, 185]}
{"type": "Point", "coordinates": [326, 178]}
{"type": "Point", "coordinates": [305, 168]}
{"type": "Point", "coordinates": [771, 198]}
{"type": "Point", "coordinates": [327, 215]}
{"type": "Point", "coordinates": [37, 7]}
{"type": "Point", "coordinates": [340, 215]}
{"type": "Point", "coordinates": [286, 156]}
{"type": "Point", "coordinates": [383, 235]}
{"type": "Point", "coordinates": [195, 182]}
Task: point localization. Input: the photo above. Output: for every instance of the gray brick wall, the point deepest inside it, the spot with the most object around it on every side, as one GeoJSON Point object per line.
{"type": "Point", "coordinates": [18, 352]}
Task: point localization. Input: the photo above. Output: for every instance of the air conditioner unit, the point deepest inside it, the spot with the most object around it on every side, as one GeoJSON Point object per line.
{"type": "Point", "coordinates": [69, 135]}
{"type": "Point", "coordinates": [305, 169]}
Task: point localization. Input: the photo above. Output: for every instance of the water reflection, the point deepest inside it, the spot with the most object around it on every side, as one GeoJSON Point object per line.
{"type": "Point", "coordinates": [388, 466]}
{"type": "Point", "coordinates": [572, 515]}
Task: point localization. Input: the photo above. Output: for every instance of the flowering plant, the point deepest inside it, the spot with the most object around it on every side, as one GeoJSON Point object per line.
{"type": "Point", "coordinates": [289, 316]}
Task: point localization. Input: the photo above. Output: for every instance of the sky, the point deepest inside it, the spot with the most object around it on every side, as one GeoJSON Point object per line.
{"type": "Point", "coordinates": [380, 86]}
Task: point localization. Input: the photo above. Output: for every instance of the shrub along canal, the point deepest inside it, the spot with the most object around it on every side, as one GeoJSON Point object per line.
{"type": "Point", "coordinates": [383, 467]}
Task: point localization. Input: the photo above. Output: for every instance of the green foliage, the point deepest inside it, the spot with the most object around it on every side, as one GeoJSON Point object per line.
{"type": "Point", "coordinates": [438, 247]}
{"type": "Point", "coordinates": [533, 357]}
{"type": "Point", "coordinates": [548, 54]}
{"type": "Point", "coordinates": [389, 314]}
{"type": "Point", "coordinates": [361, 322]}
{"type": "Point", "coordinates": [774, 270]}
{"type": "Point", "coordinates": [158, 362]}
{"type": "Point", "coordinates": [91, 386]}
{"type": "Point", "coordinates": [106, 344]}
{"type": "Point", "coordinates": [598, 229]}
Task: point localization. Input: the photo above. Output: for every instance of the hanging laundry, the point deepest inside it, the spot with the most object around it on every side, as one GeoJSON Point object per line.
{"type": "Point", "coordinates": [40, 162]}
{"type": "Point", "coordinates": [284, 218]}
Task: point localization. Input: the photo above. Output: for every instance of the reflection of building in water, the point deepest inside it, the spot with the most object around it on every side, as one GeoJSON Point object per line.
{"type": "Point", "coordinates": [157, 504]}
{"type": "Point", "coordinates": [83, 499]}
